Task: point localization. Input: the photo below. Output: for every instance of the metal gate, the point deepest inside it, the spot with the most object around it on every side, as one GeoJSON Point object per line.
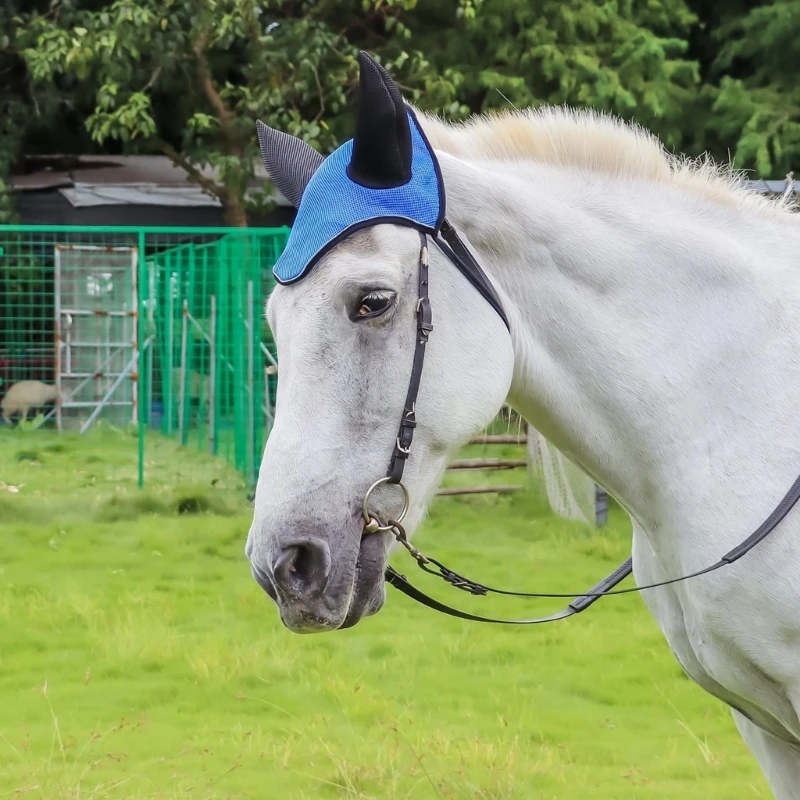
{"type": "Point", "coordinates": [97, 356]}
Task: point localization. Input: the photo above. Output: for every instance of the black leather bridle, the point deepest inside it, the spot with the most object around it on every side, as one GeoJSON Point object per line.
{"type": "Point", "coordinates": [452, 246]}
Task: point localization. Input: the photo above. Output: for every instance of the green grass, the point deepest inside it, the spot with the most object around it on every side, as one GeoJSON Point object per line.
{"type": "Point", "coordinates": [138, 659]}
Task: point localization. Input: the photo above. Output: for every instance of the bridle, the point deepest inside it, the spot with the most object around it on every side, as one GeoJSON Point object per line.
{"type": "Point", "coordinates": [452, 246]}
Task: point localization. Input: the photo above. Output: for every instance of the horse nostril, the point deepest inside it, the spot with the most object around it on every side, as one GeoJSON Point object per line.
{"type": "Point", "coordinates": [302, 568]}
{"type": "Point", "coordinates": [263, 580]}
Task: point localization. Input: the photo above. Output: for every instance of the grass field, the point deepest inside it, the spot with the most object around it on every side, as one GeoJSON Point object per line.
{"type": "Point", "coordinates": [138, 659]}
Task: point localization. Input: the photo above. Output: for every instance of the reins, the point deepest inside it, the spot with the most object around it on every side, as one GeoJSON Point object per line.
{"type": "Point", "coordinates": [452, 246]}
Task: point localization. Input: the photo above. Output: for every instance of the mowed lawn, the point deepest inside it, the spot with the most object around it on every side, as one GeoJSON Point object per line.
{"type": "Point", "coordinates": [138, 659]}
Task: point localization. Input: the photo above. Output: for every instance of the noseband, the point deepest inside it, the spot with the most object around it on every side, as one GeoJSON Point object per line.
{"type": "Point", "coordinates": [452, 246]}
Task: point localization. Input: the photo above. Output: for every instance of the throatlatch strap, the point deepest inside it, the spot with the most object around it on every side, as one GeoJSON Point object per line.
{"type": "Point", "coordinates": [452, 246]}
{"type": "Point", "coordinates": [408, 421]}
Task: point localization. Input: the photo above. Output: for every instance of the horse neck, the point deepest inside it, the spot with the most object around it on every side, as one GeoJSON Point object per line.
{"type": "Point", "coordinates": [656, 335]}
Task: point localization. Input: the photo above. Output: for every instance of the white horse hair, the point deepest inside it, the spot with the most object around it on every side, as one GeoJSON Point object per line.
{"type": "Point", "coordinates": [655, 339]}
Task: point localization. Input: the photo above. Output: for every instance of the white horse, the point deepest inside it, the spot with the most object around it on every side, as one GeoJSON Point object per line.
{"type": "Point", "coordinates": [654, 310]}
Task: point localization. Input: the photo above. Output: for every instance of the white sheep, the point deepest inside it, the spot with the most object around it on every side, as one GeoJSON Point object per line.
{"type": "Point", "coordinates": [24, 395]}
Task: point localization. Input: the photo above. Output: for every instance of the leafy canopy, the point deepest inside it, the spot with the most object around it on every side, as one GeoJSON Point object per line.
{"type": "Point", "coordinates": [188, 78]}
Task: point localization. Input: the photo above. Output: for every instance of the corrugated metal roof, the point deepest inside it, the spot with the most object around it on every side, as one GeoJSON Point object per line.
{"type": "Point", "coordinates": [124, 180]}
{"type": "Point", "coordinates": [36, 181]}
{"type": "Point", "coordinates": [58, 170]}
{"type": "Point", "coordinates": [83, 195]}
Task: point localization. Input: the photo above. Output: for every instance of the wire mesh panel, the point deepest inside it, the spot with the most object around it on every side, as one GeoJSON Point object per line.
{"type": "Point", "coordinates": [26, 328]}
{"type": "Point", "coordinates": [206, 368]}
{"type": "Point", "coordinates": [160, 326]}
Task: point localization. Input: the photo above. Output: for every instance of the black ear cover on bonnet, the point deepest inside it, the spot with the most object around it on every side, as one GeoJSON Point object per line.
{"type": "Point", "coordinates": [382, 144]}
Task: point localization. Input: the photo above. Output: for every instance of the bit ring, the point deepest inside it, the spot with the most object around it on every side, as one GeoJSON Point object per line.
{"type": "Point", "coordinates": [371, 524]}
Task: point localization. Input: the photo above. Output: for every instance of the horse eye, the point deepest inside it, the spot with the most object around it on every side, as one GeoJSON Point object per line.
{"type": "Point", "coordinates": [373, 304]}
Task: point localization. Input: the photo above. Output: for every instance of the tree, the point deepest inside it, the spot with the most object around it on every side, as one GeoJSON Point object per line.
{"type": "Point", "coordinates": [176, 78]}
{"type": "Point", "coordinates": [757, 107]}
{"type": "Point", "coordinates": [620, 56]}
{"type": "Point", "coordinates": [188, 78]}
{"type": "Point", "coordinates": [13, 108]}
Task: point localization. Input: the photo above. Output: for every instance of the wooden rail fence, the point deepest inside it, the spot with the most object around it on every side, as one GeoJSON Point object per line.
{"type": "Point", "coordinates": [601, 497]}
{"type": "Point", "coordinates": [488, 464]}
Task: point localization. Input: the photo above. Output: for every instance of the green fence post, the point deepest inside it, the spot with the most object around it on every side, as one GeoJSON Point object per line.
{"type": "Point", "coordinates": [239, 333]}
{"type": "Point", "coordinates": [141, 265]}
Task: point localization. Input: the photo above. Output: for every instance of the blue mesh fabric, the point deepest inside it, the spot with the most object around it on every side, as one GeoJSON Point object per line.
{"type": "Point", "coordinates": [334, 206]}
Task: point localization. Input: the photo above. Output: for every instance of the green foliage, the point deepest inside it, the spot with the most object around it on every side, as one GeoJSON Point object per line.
{"type": "Point", "coordinates": [189, 79]}
{"type": "Point", "coordinates": [12, 111]}
{"type": "Point", "coordinates": [758, 106]}
{"type": "Point", "coordinates": [624, 57]}
{"type": "Point", "coordinates": [8, 213]}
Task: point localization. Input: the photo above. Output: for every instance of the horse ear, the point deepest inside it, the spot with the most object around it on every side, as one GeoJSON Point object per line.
{"type": "Point", "coordinates": [290, 162]}
{"type": "Point", "coordinates": [382, 146]}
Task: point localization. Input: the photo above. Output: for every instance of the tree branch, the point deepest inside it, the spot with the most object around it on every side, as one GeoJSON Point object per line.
{"type": "Point", "coordinates": [153, 78]}
{"type": "Point", "coordinates": [209, 184]}
{"type": "Point", "coordinates": [223, 113]}
{"type": "Point", "coordinates": [253, 26]}
{"type": "Point", "coordinates": [321, 111]}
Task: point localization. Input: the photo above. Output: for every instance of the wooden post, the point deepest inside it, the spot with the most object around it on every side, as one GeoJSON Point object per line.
{"type": "Point", "coordinates": [600, 506]}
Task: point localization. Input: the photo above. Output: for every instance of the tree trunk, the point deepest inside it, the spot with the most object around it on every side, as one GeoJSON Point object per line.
{"type": "Point", "coordinates": [234, 213]}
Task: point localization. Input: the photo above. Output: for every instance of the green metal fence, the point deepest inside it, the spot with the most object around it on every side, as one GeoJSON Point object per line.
{"type": "Point", "coordinates": [161, 328]}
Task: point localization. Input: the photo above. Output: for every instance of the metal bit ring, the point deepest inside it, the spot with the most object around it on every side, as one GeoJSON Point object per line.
{"type": "Point", "coordinates": [371, 524]}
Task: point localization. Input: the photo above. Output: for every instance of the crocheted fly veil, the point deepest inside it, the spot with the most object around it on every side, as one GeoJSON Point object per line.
{"type": "Point", "coordinates": [387, 173]}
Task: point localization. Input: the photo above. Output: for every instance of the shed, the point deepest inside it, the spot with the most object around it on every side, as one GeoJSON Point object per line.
{"type": "Point", "coordinates": [146, 191]}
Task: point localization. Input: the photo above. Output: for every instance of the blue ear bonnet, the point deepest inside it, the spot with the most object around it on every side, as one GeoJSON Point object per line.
{"type": "Point", "coordinates": [334, 205]}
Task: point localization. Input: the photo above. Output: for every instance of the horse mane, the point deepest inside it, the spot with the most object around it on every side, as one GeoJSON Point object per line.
{"type": "Point", "coordinates": [597, 143]}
